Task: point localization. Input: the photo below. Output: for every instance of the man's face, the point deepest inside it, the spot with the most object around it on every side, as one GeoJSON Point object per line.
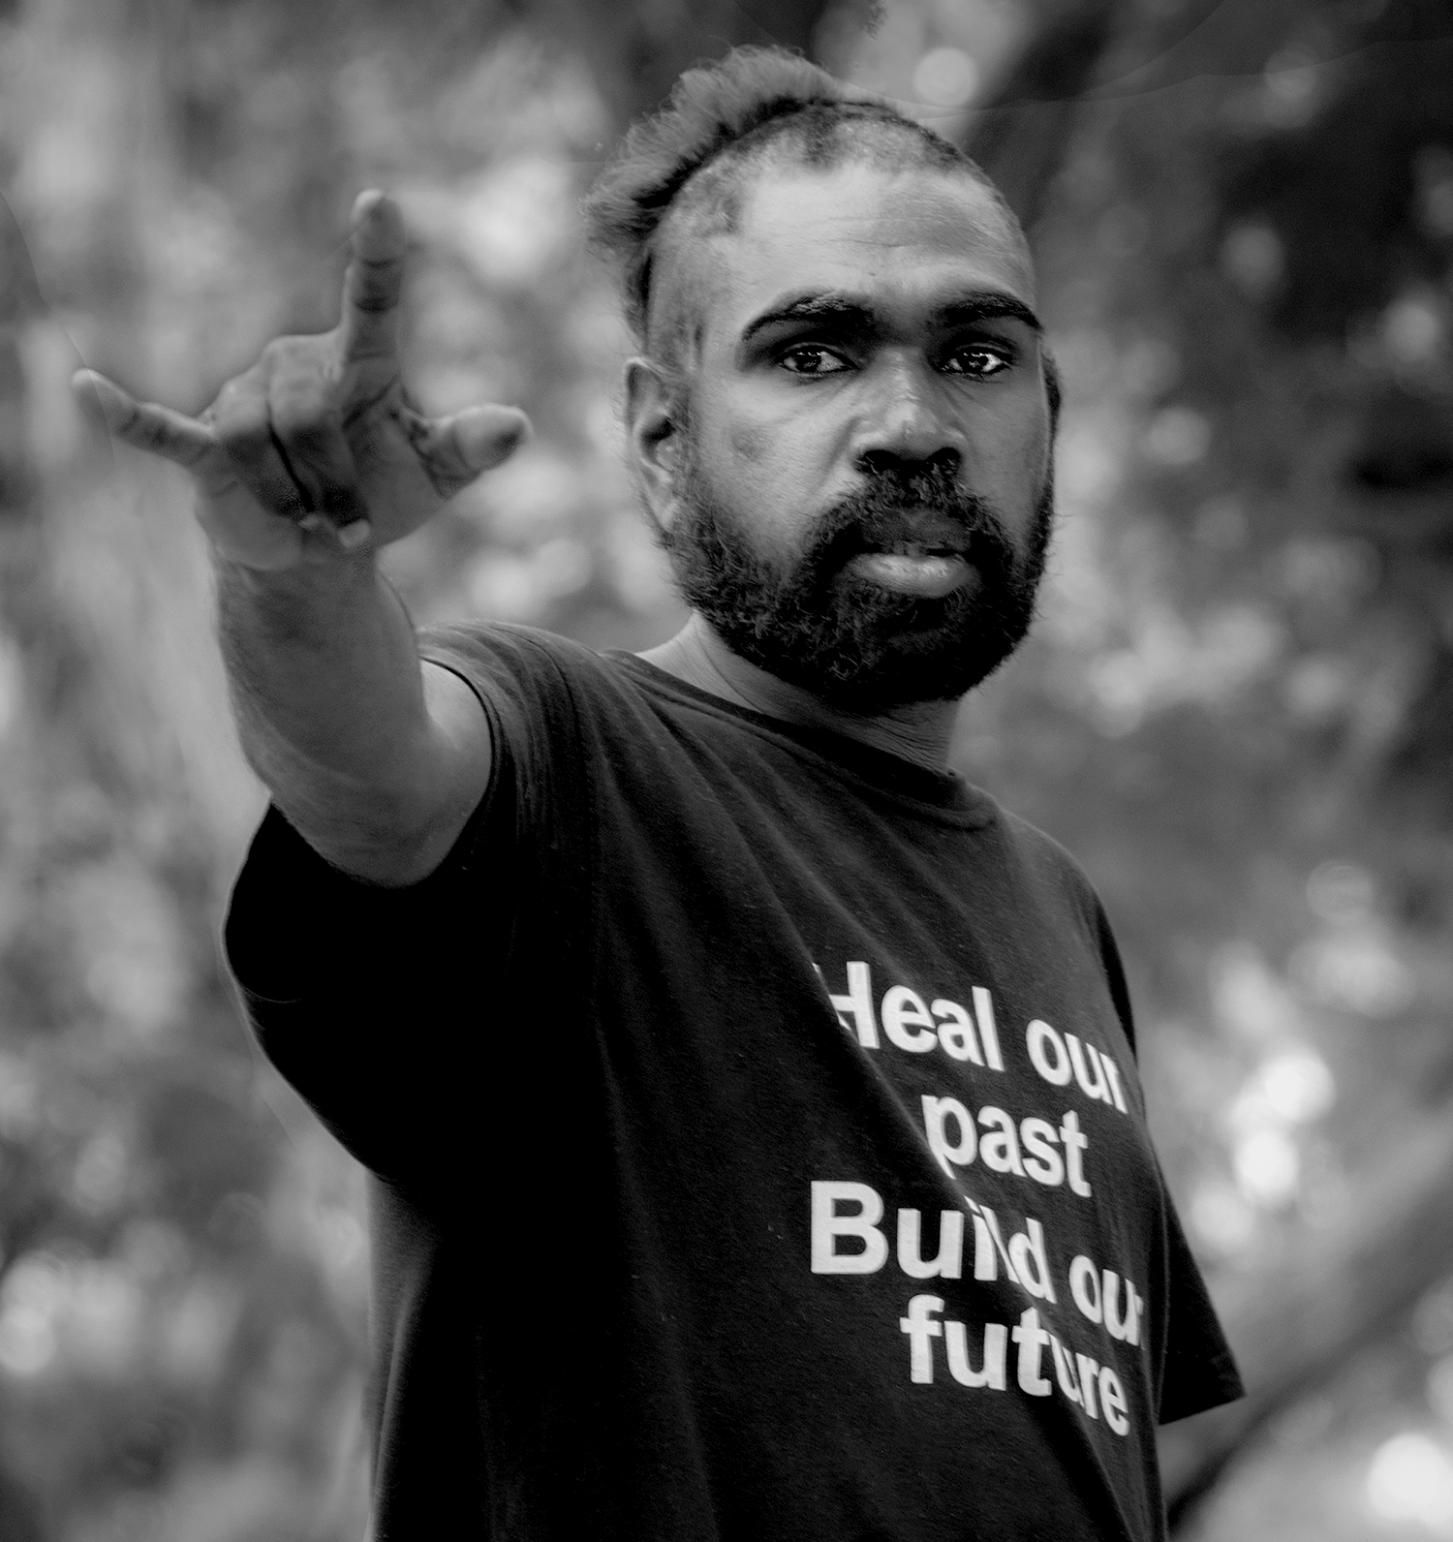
{"type": "Point", "coordinates": [862, 498]}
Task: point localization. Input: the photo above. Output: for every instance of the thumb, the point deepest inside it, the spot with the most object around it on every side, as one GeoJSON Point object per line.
{"type": "Point", "coordinates": [458, 448]}
{"type": "Point", "coordinates": [156, 429]}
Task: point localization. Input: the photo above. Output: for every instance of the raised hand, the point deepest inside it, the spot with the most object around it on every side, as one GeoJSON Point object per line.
{"type": "Point", "coordinates": [314, 452]}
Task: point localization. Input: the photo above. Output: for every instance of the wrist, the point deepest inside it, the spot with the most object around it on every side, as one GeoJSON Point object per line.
{"type": "Point", "coordinates": [309, 580]}
{"type": "Point", "coordinates": [314, 605]}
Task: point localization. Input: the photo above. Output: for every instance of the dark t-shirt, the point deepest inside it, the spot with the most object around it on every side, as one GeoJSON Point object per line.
{"type": "Point", "coordinates": [756, 1145]}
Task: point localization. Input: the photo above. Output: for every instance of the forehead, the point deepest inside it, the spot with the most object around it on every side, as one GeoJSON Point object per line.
{"type": "Point", "coordinates": [906, 239]}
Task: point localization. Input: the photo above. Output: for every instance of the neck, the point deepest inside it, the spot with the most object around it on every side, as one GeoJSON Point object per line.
{"type": "Point", "coordinates": [920, 732]}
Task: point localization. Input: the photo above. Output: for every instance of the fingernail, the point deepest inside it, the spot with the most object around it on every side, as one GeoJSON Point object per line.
{"type": "Point", "coordinates": [354, 534]}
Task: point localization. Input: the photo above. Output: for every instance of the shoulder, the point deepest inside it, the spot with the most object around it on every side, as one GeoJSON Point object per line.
{"type": "Point", "coordinates": [499, 648]}
{"type": "Point", "coordinates": [569, 725]}
{"type": "Point", "coordinates": [1059, 876]}
{"type": "Point", "coordinates": [1044, 857]}
{"type": "Point", "coordinates": [529, 680]}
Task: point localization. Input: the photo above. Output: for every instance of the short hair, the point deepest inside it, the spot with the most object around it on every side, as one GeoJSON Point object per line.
{"type": "Point", "coordinates": [689, 160]}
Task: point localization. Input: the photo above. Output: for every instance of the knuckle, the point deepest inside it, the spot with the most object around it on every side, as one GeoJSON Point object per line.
{"type": "Point", "coordinates": [124, 418]}
{"type": "Point", "coordinates": [341, 504]}
{"type": "Point", "coordinates": [275, 494]}
{"type": "Point", "coordinates": [287, 348]}
{"type": "Point", "coordinates": [313, 421]}
{"type": "Point", "coordinates": [374, 299]}
{"type": "Point", "coordinates": [239, 433]}
{"type": "Point", "coordinates": [234, 412]}
{"type": "Point", "coordinates": [291, 363]}
{"type": "Point", "coordinates": [148, 434]}
{"type": "Point", "coordinates": [377, 273]}
{"type": "Point", "coordinates": [230, 391]}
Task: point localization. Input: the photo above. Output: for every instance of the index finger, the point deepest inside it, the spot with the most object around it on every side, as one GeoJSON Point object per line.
{"type": "Point", "coordinates": [375, 278]}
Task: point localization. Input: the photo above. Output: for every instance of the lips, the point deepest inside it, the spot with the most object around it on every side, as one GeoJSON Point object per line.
{"type": "Point", "coordinates": [904, 533]}
{"type": "Point", "coordinates": [922, 569]}
{"type": "Point", "coordinates": [908, 548]}
{"type": "Point", "coordinates": [922, 536]}
{"type": "Point", "coordinates": [918, 549]}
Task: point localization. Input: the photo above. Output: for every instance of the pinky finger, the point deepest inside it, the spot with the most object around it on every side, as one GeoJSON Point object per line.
{"type": "Point", "coordinates": [145, 425]}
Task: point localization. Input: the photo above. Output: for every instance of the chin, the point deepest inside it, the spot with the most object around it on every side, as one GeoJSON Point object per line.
{"type": "Point", "coordinates": [882, 673]}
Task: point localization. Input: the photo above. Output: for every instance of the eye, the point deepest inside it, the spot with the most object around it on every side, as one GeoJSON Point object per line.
{"type": "Point", "coordinates": [980, 360]}
{"type": "Point", "coordinates": [811, 359]}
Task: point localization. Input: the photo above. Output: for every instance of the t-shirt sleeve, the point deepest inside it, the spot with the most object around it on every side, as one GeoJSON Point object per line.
{"type": "Point", "coordinates": [1199, 1371]}
{"type": "Point", "coordinates": [397, 1013]}
{"type": "Point", "coordinates": [338, 979]}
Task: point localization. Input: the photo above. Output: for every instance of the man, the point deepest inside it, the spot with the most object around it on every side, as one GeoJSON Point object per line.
{"type": "Point", "coordinates": [755, 1143]}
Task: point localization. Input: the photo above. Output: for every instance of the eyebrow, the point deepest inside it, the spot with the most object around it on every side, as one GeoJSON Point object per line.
{"type": "Point", "coordinates": [849, 310]}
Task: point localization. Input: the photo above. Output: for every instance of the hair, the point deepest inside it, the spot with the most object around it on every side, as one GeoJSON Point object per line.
{"type": "Point", "coordinates": [683, 170]}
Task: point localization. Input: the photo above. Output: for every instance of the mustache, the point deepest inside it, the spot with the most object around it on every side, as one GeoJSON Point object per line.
{"type": "Point", "coordinates": [897, 503]}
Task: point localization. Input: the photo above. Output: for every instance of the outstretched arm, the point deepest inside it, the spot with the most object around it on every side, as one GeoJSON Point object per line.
{"type": "Point", "coordinates": [304, 466]}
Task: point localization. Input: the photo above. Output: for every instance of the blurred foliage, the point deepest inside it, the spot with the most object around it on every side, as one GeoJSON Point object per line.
{"type": "Point", "coordinates": [1238, 708]}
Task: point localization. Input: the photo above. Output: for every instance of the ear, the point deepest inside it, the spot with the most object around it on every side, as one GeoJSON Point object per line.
{"type": "Point", "coordinates": [653, 434]}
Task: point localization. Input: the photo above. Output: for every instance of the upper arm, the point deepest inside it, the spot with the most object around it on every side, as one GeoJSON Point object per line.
{"type": "Point", "coordinates": [461, 761]}
{"type": "Point", "coordinates": [450, 776]}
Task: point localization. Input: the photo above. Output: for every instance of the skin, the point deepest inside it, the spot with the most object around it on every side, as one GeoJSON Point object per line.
{"type": "Point", "coordinates": [312, 460]}
{"type": "Point", "coordinates": [302, 468]}
{"type": "Point", "coordinates": [783, 411]}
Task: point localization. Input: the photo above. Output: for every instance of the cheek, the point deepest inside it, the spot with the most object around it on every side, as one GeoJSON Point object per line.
{"type": "Point", "coordinates": [1025, 456]}
{"type": "Point", "coordinates": [1035, 456]}
{"type": "Point", "coordinates": [767, 458]}
{"type": "Point", "coordinates": [782, 460]}
{"type": "Point", "coordinates": [748, 442]}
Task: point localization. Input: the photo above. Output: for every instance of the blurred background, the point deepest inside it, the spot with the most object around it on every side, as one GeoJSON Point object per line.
{"type": "Point", "coordinates": [1237, 710]}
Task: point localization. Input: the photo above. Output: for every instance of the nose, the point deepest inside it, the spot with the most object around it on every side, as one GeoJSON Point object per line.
{"type": "Point", "coordinates": [946, 460]}
{"type": "Point", "coordinates": [904, 426]}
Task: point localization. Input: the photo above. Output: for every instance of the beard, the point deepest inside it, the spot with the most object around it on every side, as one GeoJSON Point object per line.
{"type": "Point", "coordinates": [854, 644]}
